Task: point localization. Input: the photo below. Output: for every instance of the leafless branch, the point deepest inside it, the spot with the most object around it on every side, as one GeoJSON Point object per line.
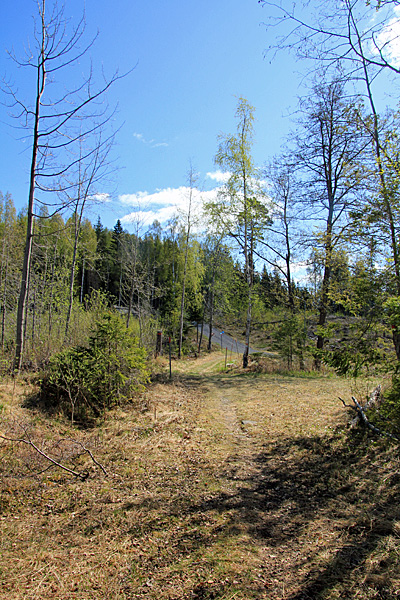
{"type": "Point", "coordinates": [83, 475]}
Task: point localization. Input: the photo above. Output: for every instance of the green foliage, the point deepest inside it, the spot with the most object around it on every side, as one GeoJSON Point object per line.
{"type": "Point", "coordinates": [358, 345]}
{"type": "Point", "coordinates": [388, 416]}
{"type": "Point", "coordinates": [86, 381]}
{"type": "Point", "coordinates": [352, 360]}
{"type": "Point", "coordinates": [392, 309]}
{"type": "Point", "coordinates": [290, 340]}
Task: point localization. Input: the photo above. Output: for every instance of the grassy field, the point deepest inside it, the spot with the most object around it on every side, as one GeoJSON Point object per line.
{"type": "Point", "coordinates": [218, 485]}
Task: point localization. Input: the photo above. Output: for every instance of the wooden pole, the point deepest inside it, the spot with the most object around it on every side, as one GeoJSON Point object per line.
{"type": "Point", "coordinates": [170, 358]}
{"type": "Point", "coordinates": [159, 344]}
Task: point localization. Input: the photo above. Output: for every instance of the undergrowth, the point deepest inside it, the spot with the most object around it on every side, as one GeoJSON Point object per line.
{"type": "Point", "coordinates": [83, 382]}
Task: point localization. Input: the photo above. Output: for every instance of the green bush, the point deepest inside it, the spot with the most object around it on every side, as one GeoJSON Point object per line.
{"type": "Point", "coordinates": [83, 382]}
{"type": "Point", "coordinates": [387, 417]}
{"type": "Point", "coordinates": [289, 339]}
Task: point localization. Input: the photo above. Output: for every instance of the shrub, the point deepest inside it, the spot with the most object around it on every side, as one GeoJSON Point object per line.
{"type": "Point", "coordinates": [387, 417]}
{"type": "Point", "coordinates": [83, 382]}
{"type": "Point", "coordinates": [289, 339]}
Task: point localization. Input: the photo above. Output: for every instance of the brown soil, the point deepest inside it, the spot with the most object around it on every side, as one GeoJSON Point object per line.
{"type": "Point", "coordinates": [220, 485]}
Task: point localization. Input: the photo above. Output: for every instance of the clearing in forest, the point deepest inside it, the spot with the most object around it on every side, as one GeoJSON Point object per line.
{"type": "Point", "coordinates": [225, 485]}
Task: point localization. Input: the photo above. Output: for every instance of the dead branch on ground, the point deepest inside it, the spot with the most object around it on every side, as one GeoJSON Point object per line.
{"type": "Point", "coordinates": [374, 401]}
{"type": "Point", "coordinates": [26, 439]}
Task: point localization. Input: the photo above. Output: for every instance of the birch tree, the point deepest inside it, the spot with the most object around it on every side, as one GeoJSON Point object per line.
{"type": "Point", "coordinates": [90, 171]}
{"type": "Point", "coordinates": [240, 210]}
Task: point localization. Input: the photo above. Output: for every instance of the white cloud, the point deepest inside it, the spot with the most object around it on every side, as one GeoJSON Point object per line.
{"type": "Point", "coordinates": [388, 40]}
{"type": "Point", "coordinates": [101, 198]}
{"type": "Point", "coordinates": [165, 197]}
{"type": "Point", "coordinates": [133, 199]}
{"type": "Point", "coordinates": [219, 176]}
{"type": "Point", "coordinates": [164, 204]}
{"type": "Point", "coordinates": [147, 217]}
{"type": "Point", "coordinates": [152, 143]}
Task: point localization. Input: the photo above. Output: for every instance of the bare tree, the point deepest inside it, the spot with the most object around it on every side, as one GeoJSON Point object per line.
{"type": "Point", "coordinates": [353, 33]}
{"type": "Point", "coordinates": [277, 248]}
{"type": "Point", "coordinates": [52, 122]}
{"type": "Point", "coordinates": [192, 181]}
{"type": "Point", "coordinates": [92, 168]}
{"type": "Point", "coordinates": [138, 280]}
{"type": "Point", "coordinates": [327, 155]}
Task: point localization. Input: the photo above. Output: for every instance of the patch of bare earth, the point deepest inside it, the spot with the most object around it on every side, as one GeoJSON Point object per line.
{"type": "Point", "coordinates": [220, 485]}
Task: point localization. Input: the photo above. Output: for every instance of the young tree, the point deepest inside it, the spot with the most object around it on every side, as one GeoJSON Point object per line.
{"type": "Point", "coordinates": [192, 181]}
{"type": "Point", "coordinates": [277, 249]}
{"type": "Point", "coordinates": [87, 258]}
{"type": "Point", "coordinates": [91, 168]}
{"type": "Point", "coordinates": [138, 276]}
{"type": "Point", "coordinates": [9, 260]}
{"type": "Point", "coordinates": [105, 256]}
{"type": "Point", "coordinates": [117, 260]}
{"type": "Point", "coordinates": [240, 210]}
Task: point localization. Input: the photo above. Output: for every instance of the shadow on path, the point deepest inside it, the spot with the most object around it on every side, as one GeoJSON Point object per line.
{"type": "Point", "coordinates": [305, 488]}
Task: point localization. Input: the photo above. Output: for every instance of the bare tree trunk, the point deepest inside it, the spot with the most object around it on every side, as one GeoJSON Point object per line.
{"type": "Point", "coordinates": [50, 320]}
{"type": "Point", "coordinates": [188, 226]}
{"type": "Point", "coordinates": [3, 318]}
{"type": "Point", "coordinates": [183, 301]}
{"type": "Point", "coordinates": [211, 315]}
{"type": "Point", "coordinates": [323, 307]}
{"type": "Point", "coordinates": [82, 280]}
{"type": "Point", "coordinates": [71, 286]}
{"type": "Point", "coordinates": [133, 279]}
{"type": "Point", "coordinates": [23, 295]}
{"type": "Point", "coordinates": [34, 316]}
{"type": "Point", "coordinates": [248, 331]}
{"type": "Point", "coordinates": [202, 326]}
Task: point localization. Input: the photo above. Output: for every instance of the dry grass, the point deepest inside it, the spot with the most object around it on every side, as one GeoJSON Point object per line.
{"type": "Point", "coordinates": [221, 485]}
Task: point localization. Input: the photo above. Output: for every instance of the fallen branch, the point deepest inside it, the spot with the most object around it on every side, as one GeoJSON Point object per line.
{"type": "Point", "coordinates": [83, 475]}
{"type": "Point", "coordinates": [361, 415]}
{"type": "Point", "coordinates": [29, 442]}
{"type": "Point", "coordinates": [90, 454]}
{"type": "Point", "coordinates": [373, 401]}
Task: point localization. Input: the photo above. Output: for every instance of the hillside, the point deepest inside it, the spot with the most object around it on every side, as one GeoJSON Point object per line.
{"type": "Point", "coordinates": [225, 485]}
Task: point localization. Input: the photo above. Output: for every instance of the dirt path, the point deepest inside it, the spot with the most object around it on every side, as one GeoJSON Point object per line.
{"type": "Point", "coordinates": [284, 484]}
{"type": "Point", "coordinates": [221, 486]}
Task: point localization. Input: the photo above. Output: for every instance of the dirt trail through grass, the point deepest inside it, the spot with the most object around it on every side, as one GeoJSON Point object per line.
{"type": "Point", "coordinates": [224, 486]}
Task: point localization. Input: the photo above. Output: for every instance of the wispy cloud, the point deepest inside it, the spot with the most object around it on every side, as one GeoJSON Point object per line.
{"type": "Point", "coordinates": [152, 143]}
{"type": "Point", "coordinates": [101, 198]}
{"type": "Point", "coordinates": [387, 41]}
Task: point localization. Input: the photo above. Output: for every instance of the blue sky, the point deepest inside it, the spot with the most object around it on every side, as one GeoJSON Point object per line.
{"type": "Point", "coordinates": [192, 61]}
